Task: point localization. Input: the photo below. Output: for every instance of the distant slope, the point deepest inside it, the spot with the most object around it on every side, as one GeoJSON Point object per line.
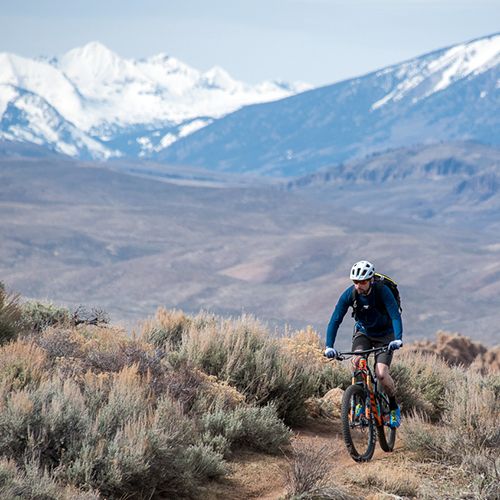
{"type": "Point", "coordinates": [448, 95]}
{"type": "Point", "coordinates": [80, 233]}
{"type": "Point", "coordinates": [435, 161]}
{"type": "Point", "coordinates": [459, 178]}
{"type": "Point", "coordinates": [18, 149]}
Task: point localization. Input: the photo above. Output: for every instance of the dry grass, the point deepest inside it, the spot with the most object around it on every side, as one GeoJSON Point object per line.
{"type": "Point", "coordinates": [422, 381]}
{"type": "Point", "coordinates": [96, 409]}
{"type": "Point", "coordinates": [310, 474]}
{"type": "Point", "coordinates": [468, 434]}
{"type": "Point", "coordinates": [307, 347]}
{"type": "Point", "coordinates": [165, 330]}
{"type": "Point", "coordinates": [400, 482]}
{"type": "Point", "coordinates": [22, 363]}
{"type": "Point", "coordinates": [86, 408]}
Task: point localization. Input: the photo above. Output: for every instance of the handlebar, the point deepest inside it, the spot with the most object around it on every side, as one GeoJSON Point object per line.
{"type": "Point", "coordinates": [347, 354]}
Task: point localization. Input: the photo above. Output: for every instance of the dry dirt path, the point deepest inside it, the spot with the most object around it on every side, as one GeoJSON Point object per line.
{"type": "Point", "coordinates": [259, 476]}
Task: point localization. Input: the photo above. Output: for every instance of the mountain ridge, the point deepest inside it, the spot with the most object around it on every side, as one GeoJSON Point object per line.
{"type": "Point", "coordinates": [160, 108]}
{"type": "Point", "coordinates": [139, 105]}
{"type": "Point", "coordinates": [392, 107]}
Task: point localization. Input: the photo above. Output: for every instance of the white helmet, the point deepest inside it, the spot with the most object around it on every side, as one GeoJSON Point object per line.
{"type": "Point", "coordinates": [362, 270]}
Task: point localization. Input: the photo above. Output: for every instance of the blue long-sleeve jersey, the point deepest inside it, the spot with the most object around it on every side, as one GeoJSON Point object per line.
{"type": "Point", "coordinates": [370, 320]}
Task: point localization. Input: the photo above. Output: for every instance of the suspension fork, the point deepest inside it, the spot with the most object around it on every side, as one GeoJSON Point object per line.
{"type": "Point", "coordinates": [373, 401]}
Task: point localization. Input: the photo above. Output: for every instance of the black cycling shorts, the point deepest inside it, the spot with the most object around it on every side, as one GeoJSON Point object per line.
{"type": "Point", "coordinates": [361, 342]}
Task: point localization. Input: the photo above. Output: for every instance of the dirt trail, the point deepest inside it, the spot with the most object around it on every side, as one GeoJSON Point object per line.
{"type": "Point", "coordinates": [259, 476]}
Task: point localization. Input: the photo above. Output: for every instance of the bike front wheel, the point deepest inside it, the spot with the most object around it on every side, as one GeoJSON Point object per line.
{"type": "Point", "coordinates": [386, 433]}
{"type": "Point", "coordinates": [358, 427]}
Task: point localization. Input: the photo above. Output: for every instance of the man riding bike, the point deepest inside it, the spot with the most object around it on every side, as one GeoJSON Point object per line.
{"type": "Point", "coordinates": [378, 323]}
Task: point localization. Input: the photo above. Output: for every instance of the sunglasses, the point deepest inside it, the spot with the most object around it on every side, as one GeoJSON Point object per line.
{"type": "Point", "coordinates": [360, 282]}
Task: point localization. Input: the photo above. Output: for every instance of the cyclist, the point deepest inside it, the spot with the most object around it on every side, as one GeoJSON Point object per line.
{"type": "Point", "coordinates": [377, 323]}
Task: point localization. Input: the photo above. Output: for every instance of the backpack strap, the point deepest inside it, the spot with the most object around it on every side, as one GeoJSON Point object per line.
{"type": "Point", "coordinates": [378, 302]}
{"type": "Point", "coordinates": [354, 303]}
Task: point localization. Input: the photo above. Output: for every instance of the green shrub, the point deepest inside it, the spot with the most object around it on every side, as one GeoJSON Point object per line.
{"type": "Point", "coordinates": [112, 435]}
{"type": "Point", "coordinates": [37, 316]}
{"type": "Point", "coordinates": [43, 422]}
{"type": "Point", "coordinates": [204, 461]}
{"type": "Point", "coordinates": [10, 315]}
{"type": "Point", "coordinates": [241, 353]}
{"type": "Point", "coordinates": [421, 383]}
{"type": "Point", "coordinates": [257, 428]}
{"type": "Point", "coordinates": [32, 482]}
{"type": "Point", "coordinates": [468, 434]}
{"type": "Point", "coordinates": [331, 375]}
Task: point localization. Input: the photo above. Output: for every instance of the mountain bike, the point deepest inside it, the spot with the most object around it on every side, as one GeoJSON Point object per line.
{"type": "Point", "coordinates": [365, 410]}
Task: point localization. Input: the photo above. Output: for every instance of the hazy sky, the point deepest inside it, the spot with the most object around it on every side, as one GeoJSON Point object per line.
{"type": "Point", "coordinates": [317, 41]}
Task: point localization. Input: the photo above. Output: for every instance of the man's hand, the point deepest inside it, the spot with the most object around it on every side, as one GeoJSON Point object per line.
{"type": "Point", "coordinates": [330, 352]}
{"type": "Point", "coordinates": [395, 344]}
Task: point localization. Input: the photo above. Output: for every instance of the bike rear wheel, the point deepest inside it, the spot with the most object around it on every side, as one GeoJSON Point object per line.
{"type": "Point", "coordinates": [358, 427]}
{"type": "Point", "coordinates": [386, 434]}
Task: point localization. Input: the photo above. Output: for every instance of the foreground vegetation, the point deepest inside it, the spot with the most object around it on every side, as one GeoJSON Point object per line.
{"type": "Point", "coordinates": [87, 412]}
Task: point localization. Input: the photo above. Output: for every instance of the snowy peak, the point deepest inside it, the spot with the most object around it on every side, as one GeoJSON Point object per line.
{"type": "Point", "coordinates": [158, 88]}
{"type": "Point", "coordinates": [93, 53]}
{"type": "Point", "coordinates": [30, 118]}
{"type": "Point", "coordinates": [217, 78]}
{"type": "Point", "coordinates": [423, 76]}
{"type": "Point", "coordinates": [447, 95]}
{"type": "Point", "coordinates": [93, 66]}
{"type": "Point", "coordinates": [143, 107]}
{"type": "Point", "coordinates": [116, 101]}
{"type": "Point", "coordinates": [169, 65]}
{"type": "Point", "coordinates": [42, 79]}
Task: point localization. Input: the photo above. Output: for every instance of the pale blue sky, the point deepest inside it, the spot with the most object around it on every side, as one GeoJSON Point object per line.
{"type": "Point", "coordinates": [318, 41]}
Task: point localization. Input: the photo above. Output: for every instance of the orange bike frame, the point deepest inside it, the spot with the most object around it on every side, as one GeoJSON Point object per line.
{"type": "Point", "coordinates": [361, 369]}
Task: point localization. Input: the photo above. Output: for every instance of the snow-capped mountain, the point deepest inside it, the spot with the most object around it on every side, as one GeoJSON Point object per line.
{"type": "Point", "coordinates": [114, 106]}
{"type": "Point", "coordinates": [452, 94]}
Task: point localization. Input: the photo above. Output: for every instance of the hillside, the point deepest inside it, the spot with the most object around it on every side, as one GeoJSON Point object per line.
{"type": "Point", "coordinates": [210, 407]}
{"type": "Point", "coordinates": [448, 95]}
{"type": "Point", "coordinates": [83, 234]}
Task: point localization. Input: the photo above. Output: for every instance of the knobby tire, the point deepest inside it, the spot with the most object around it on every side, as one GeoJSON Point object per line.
{"type": "Point", "coordinates": [386, 434]}
{"type": "Point", "coordinates": [355, 437]}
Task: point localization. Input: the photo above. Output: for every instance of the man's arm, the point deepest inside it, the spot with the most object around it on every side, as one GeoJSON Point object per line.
{"type": "Point", "coordinates": [340, 311]}
{"type": "Point", "coordinates": [392, 308]}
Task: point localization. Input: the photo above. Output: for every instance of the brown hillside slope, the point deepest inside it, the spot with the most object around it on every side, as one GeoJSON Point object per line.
{"type": "Point", "coordinates": [457, 350]}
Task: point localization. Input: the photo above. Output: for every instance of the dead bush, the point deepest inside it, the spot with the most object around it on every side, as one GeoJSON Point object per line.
{"type": "Point", "coordinates": [309, 476]}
